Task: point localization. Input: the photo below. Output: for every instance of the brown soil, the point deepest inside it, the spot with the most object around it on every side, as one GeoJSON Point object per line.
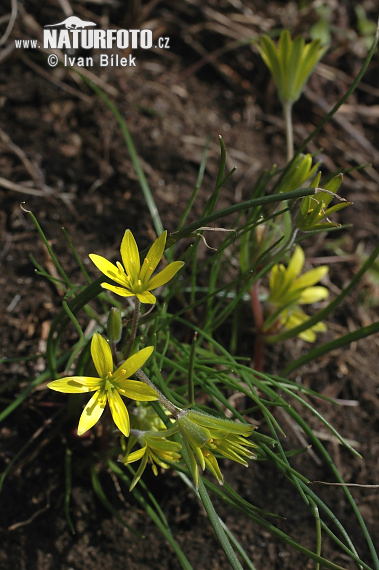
{"type": "Point", "coordinates": [63, 151]}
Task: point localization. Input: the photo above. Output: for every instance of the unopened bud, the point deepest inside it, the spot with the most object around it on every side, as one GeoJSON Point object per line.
{"type": "Point", "coordinates": [114, 325]}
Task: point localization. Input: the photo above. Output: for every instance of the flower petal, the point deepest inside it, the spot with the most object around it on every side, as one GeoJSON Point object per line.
{"type": "Point", "coordinates": [139, 472]}
{"type": "Point", "coordinates": [136, 390]}
{"type": "Point", "coordinates": [119, 412]}
{"type": "Point", "coordinates": [135, 456]}
{"type": "Point", "coordinates": [92, 412]}
{"type": "Point", "coordinates": [213, 466]}
{"type": "Point", "coordinates": [313, 295]}
{"type": "Point", "coordinates": [153, 257]}
{"type": "Point", "coordinates": [118, 290]}
{"type": "Point", "coordinates": [132, 364]}
{"type": "Point", "coordinates": [295, 265]}
{"type": "Point", "coordinates": [75, 384]}
{"type": "Point", "coordinates": [277, 282]}
{"type": "Point", "coordinates": [308, 335]}
{"type": "Point", "coordinates": [146, 297]}
{"type": "Point", "coordinates": [311, 277]}
{"type": "Point", "coordinates": [101, 355]}
{"type": "Point", "coordinates": [165, 275]}
{"type": "Point", "coordinates": [110, 270]}
{"type": "Point", "coordinates": [130, 256]}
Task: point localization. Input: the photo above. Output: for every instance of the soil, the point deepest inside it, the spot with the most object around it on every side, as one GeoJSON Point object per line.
{"type": "Point", "coordinates": [63, 155]}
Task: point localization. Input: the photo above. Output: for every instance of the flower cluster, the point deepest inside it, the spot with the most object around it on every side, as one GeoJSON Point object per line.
{"type": "Point", "coordinates": [206, 437]}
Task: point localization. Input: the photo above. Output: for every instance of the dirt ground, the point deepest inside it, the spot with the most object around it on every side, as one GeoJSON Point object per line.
{"type": "Point", "coordinates": [63, 154]}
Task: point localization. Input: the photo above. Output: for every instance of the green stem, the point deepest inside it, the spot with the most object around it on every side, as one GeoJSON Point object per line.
{"type": "Point", "coordinates": [133, 332]}
{"type": "Point", "coordinates": [256, 308]}
{"type": "Point", "coordinates": [191, 387]}
{"type": "Point", "coordinates": [240, 207]}
{"type": "Point", "coordinates": [219, 531]}
{"type": "Point", "coordinates": [163, 400]}
{"type": "Point", "coordinates": [287, 111]}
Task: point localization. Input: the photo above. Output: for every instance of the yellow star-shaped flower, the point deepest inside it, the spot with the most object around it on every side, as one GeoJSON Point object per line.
{"type": "Point", "coordinates": [109, 387]}
{"type": "Point", "coordinates": [289, 289]}
{"type": "Point", "coordinates": [132, 278]}
{"type": "Point", "coordinates": [288, 286]}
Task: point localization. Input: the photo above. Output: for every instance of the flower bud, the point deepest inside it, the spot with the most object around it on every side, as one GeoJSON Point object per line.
{"type": "Point", "coordinates": [114, 325]}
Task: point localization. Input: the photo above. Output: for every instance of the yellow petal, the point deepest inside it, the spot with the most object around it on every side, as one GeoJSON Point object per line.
{"type": "Point", "coordinates": [165, 275]}
{"type": "Point", "coordinates": [146, 297]}
{"type": "Point", "coordinates": [274, 278]}
{"type": "Point", "coordinates": [92, 412]}
{"type": "Point", "coordinates": [308, 335]}
{"type": "Point", "coordinates": [132, 364]}
{"type": "Point", "coordinates": [313, 295]}
{"type": "Point", "coordinates": [75, 384]}
{"type": "Point", "coordinates": [213, 466]}
{"type": "Point", "coordinates": [137, 391]}
{"type": "Point", "coordinates": [320, 327]}
{"type": "Point", "coordinates": [110, 270]}
{"type": "Point", "coordinates": [101, 355]}
{"type": "Point", "coordinates": [153, 257]}
{"type": "Point", "coordinates": [293, 318]}
{"type": "Point", "coordinates": [295, 265]}
{"type": "Point", "coordinates": [311, 277]}
{"type": "Point", "coordinates": [118, 290]}
{"type": "Point", "coordinates": [119, 412]}
{"type": "Point", "coordinates": [278, 282]}
{"type": "Point", "coordinates": [135, 456]}
{"type": "Point", "coordinates": [130, 255]}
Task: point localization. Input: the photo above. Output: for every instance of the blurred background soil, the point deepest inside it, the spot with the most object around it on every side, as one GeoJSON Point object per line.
{"type": "Point", "coordinates": [62, 153]}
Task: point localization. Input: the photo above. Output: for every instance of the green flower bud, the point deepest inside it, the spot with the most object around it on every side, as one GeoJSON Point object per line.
{"type": "Point", "coordinates": [290, 62]}
{"type": "Point", "coordinates": [300, 171]}
{"type": "Point", "coordinates": [114, 325]}
{"type": "Point", "coordinates": [314, 210]}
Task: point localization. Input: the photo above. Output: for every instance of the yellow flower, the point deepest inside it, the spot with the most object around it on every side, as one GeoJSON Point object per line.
{"type": "Point", "coordinates": [288, 289]}
{"type": "Point", "coordinates": [156, 449]}
{"type": "Point", "coordinates": [133, 279]}
{"type": "Point", "coordinates": [110, 386]}
{"type": "Point", "coordinates": [205, 435]}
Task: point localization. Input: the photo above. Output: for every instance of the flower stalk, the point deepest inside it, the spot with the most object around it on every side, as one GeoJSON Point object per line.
{"type": "Point", "coordinates": [161, 397]}
{"type": "Point", "coordinates": [133, 330]}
